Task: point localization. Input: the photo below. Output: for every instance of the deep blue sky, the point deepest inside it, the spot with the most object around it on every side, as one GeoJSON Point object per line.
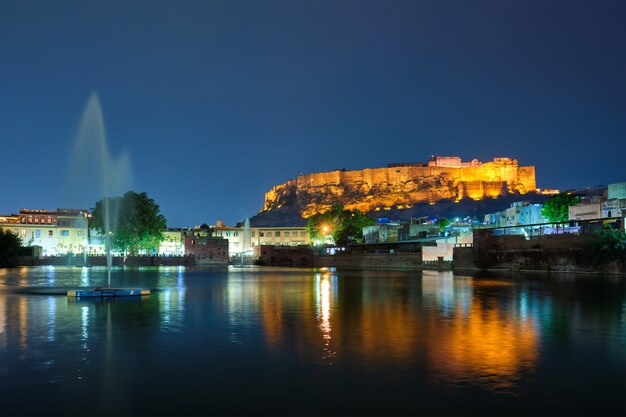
{"type": "Point", "coordinates": [216, 102]}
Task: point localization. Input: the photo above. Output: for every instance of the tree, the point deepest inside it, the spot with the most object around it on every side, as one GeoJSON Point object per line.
{"type": "Point", "coordinates": [345, 226]}
{"type": "Point", "coordinates": [137, 222]}
{"type": "Point", "coordinates": [556, 209]}
{"type": "Point", "coordinates": [10, 246]}
{"type": "Point", "coordinates": [604, 246]}
{"type": "Point", "coordinates": [442, 222]}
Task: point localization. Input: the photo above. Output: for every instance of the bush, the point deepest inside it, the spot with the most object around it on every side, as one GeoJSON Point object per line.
{"type": "Point", "coordinates": [605, 246]}
{"type": "Point", "coordinates": [10, 246]}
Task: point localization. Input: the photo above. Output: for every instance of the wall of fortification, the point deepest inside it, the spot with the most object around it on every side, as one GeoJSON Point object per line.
{"type": "Point", "coordinates": [369, 188]}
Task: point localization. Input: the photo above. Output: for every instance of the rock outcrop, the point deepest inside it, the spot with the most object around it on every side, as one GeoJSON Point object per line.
{"type": "Point", "coordinates": [400, 186]}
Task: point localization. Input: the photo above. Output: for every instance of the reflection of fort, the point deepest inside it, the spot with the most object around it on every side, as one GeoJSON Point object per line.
{"type": "Point", "coordinates": [455, 325]}
{"type": "Point", "coordinates": [489, 348]}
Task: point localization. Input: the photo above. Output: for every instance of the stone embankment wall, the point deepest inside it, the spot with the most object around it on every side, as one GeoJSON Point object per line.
{"type": "Point", "coordinates": [101, 261]}
{"type": "Point", "coordinates": [563, 253]}
{"type": "Point", "coordinates": [400, 186]}
{"type": "Point", "coordinates": [411, 260]}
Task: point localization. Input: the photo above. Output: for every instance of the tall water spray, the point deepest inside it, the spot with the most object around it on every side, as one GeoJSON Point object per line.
{"type": "Point", "coordinates": [246, 238]}
{"type": "Point", "coordinates": [93, 174]}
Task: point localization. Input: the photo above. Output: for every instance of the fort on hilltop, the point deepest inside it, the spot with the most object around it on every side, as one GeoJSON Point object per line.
{"type": "Point", "coordinates": [400, 185]}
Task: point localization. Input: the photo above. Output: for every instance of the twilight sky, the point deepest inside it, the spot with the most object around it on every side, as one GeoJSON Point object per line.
{"type": "Point", "coordinates": [216, 102]}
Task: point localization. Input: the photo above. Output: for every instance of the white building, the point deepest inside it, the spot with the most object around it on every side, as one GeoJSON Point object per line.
{"type": "Point", "coordinates": [276, 236]}
{"type": "Point", "coordinates": [57, 232]}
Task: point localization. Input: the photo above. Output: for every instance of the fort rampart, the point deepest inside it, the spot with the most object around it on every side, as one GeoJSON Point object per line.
{"type": "Point", "coordinates": [400, 186]}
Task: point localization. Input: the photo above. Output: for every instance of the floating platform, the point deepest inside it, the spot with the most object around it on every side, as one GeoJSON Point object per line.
{"type": "Point", "coordinates": [106, 292]}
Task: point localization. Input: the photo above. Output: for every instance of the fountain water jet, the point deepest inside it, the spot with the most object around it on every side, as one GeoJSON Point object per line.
{"type": "Point", "coordinates": [246, 239]}
{"type": "Point", "coordinates": [92, 164]}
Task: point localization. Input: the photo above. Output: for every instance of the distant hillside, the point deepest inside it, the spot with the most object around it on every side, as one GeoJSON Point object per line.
{"type": "Point", "coordinates": [289, 214]}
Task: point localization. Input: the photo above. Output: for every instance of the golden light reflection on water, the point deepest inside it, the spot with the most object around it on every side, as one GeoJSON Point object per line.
{"type": "Point", "coordinates": [463, 336]}
{"type": "Point", "coordinates": [272, 318]}
{"type": "Point", "coordinates": [389, 330]}
{"type": "Point", "coordinates": [323, 312]}
{"type": "Point", "coordinates": [23, 323]}
{"type": "Point", "coordinates": [3, 321]}
{"type": "Point", "coordinates": [489, 347]}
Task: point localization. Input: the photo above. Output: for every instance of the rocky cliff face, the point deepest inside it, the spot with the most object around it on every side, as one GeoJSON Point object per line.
{"type": "Point", "coordinates": [399, 187]}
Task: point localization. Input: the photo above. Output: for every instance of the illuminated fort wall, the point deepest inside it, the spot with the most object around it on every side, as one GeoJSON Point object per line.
{"type": "Point", "coordinates": [401, 186]}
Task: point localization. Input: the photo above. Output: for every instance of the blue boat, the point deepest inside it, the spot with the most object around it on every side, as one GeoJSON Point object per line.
{"type": "Point", "coordinates": [107, 292]}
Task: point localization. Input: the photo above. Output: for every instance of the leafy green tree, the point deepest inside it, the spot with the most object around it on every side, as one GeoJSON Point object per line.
{"type": "Point", "coordinates": [137, 225]}
{"type": "Point", "coordinates": [605, 246]}
{"type": "Point", "coordinates": [556, 209]}
{"type": "Point", "coordinates": [345, 226]}
{"type": "Point", "coordinates": [442, 222]}
{"type": "Point", "coordinates": [10, 246]}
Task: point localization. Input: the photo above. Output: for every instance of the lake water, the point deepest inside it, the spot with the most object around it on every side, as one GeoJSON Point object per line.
{"type": "Point", "coordinates": [315, 342]}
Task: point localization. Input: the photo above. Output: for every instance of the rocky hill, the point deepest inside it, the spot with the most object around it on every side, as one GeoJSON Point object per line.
{"type": "Point", "coordinates": [442, 185]}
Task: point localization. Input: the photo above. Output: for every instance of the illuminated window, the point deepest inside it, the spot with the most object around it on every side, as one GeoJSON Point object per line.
{"type": "Point", "coordinates": [277, 233]}
{"type": "Point", "coordinates": [23, 232]}
{"type": "Point", "coordinates": [37, 233]}
{"type": "Point", "coordinates": [50, 233]}
{"type": "Point", "coordinates": [37, 220]}
{"type": "Point", "coordinates": [65, 232]}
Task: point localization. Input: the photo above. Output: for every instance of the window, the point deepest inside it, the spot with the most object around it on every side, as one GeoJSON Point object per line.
{"type": "Point", "coordinates": [65, 232]}
{"type": "Point", "coordinates": [253, 234]}
{"type": "Point", "coordinates": [277, 233]}
{"type": "Point", "coordinates": [50, 233]}
{"type": "Point", "coordinates": [261, 234]}
{"type": "Point", "coordinates": [219, 233]}
{"type": "Point", "coordinates": [23, 233]}
{"type": "Point", "coordinates": [235, 234]}
{"type": "Point", "coordinates": [79, 233]}
{"type": "Point", "coordinates": [302, 233]}
{"type": "Point", "coordinates": [286, 234]}
{"type": "Point", "coordinates": [227, 234]}
{"type": "Point", "coordinates": [38, 233]}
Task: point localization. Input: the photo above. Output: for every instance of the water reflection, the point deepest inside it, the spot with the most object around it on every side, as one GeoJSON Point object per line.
{"type": "Point", "coordinates": [23, 323]}
{"type": "Point", "coordinates": [242, 297]}
{"type": "Point", "coordinates": [52, 312]}
{"type": "Point", "coordinates": [171, 306]}
{"type": "Point", "coordinates": [3, 323]}
{"type": "Point", "coordinates": [395, 331]}
{"type": "Point", "coordinates": [323, 297]}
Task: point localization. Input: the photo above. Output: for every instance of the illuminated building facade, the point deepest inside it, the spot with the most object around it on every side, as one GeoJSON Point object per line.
{"type": "Point", "coordinates": [276, 236]}
{"type": "Point", "coordinates": [173, 244]}
{"type": "Point", "coordinates": [520, 213]}
{"type": "Point", "coordinates": [57, 232]}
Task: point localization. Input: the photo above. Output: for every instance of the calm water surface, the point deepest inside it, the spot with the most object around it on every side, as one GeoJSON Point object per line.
{"type": "Point", "coordinates": [317, 342]}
